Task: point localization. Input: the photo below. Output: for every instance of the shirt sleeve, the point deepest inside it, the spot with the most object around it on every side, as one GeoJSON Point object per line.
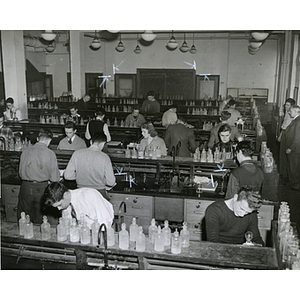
{"type": "Point", "coordinates": [127, 121]}
{"type": "Point", "coordinates": [192, 141]}
{"type": "Point", "coordinates": [54, 171]}
{"type": "Point", "coordinates": [87, 132]}
{"type": "Point", "coordinates": [212, 222]}
{"type": "Point", "coordinates": [253, 227]}
{"type": "Point", "coordinates": [212, 139]}
{"type": "Point", "coordinates": [109, 175]}
{"type": "Point", "coordinates": [106, 132]}
{"type": "Point", "coordinates": [70, 172]}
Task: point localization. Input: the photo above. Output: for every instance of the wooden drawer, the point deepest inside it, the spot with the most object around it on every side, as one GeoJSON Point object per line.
{"type": "Point", "coordinates": [10, 194]}
{"type": "Point", "coordinates": [195, 230]}
{"type": "Point", "coordinates": [139, 206]}
{"type": "Point", "coordinates": [265, 216]}
{"type": "Point", "coordinates": [11, 213]}
{"type": "Point", "coordinates": [195, 207]}
{"type": "Point", "coordinates": [170, 209]}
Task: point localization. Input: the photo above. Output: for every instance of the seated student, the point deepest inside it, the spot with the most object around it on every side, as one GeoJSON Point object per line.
{"type": "Point", "coordinates": [225, 141]}
{"type": "Point", "coordinates": [11, 111]}
{"type": "Point", "coordinates": [170, 116]}
{"type": "Point", "coordinates": [72, 141]}
{"type": "Point", "coordinates": [135, 119]}
{"type": "Point", "coordinates": [86, 201]}
{"type": "Point", "coordinates": [248, 173]}
{"type": "Point", "coordinates": [150, 105]}
{"type": "Point", "coordinates": [227, 221]}
{"type": "Point", "coordinates": [6, 134]}
{"type": "Point", "coordinates": [214, 137]}
{"type": "Point", "coordinates": [74, 115]}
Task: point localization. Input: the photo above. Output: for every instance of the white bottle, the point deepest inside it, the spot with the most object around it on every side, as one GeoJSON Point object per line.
{"type": "Point", "coordinates": [61, 231]}
{"type": "Point", "coordinates": [176, 243]}
{"type": "Point", "coordinates": [133, 230]}
{"type": "Point", "coordinates": [123, 238]}
{"type": "Point", "coordinates": [45, 229]}
{"type": "Point", "coordinates": [85, 234]}
{"type": "Point", "coordinates": [159, 241]}
{"type": "Point", "coordinates": [74, 232]}
{"type": "Point", "coordinates": [167, 234]}
{"type": "Point", "coordinates": [28, 234]}
{"type": "Point", "coordinates": [95, 229]}
{"type": "Point", "coordinates": [110, 236]}
{"type": "Point", "coordinates": [22, 223]}
{"type": "Point", "coordinates": [185, 236]}
{"type": "Point", "coordinates": [152, 230]}
{"type": "Point", "coordinates": [140, 240]}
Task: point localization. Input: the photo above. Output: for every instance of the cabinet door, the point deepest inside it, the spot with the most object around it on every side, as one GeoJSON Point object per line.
{"type": "Point", "coordinates": [265, 216]}
{"type": "Point", "coordinates": [10, 194]}
{"type": "Point", "coordinates": [170, 209]}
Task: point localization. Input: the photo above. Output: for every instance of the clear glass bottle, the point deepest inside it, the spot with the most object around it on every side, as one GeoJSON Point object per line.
{"type": "Point", "coordinates": [123, 238]}
{"type": "Point", "coordinates": [67, 221]}
{"type": "Point", "coordinates": [176, 243]}
{"type": "Point", "coordinates": [45, 229]}
{"type": "Point", "coordinates": [85, 233]}
{"type": "Point", "coordinates": [74, 231]}
{"type": "Point", "coordinates": [166, 234]}
{"type": "Point", "coordinates": [61, 231]}
{"type": "Point", "coordinates": [28, 233]}
{"type": "Point", "coordinates": [22, 223]}
{"type": "Point", "coordinates": [185, 236]}
{"type": "Point", "coordinates": [158, 152]}
{"type": "Point", "coordinates": [95, 229]}
{"type": "Point", "coordinates": [140, 240]}
{"type": "Point", "coordinates": [110, 236]}
{"type": "Point", "coordinates": [159, 240]}
{"type": "Point", "coordinates": [152, 230]}
{"type": "Point", "coordinates": [133, 230]}
{"type": "Point", "coordinates": [80, 224]}
{"type": "Point", "coordinates": [203, 156]}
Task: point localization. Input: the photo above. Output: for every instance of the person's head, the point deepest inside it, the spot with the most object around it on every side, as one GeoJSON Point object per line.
{"type": "Point", "coordinates": [246, 201]}
{"type": "Point", "coordinates": [225, 115]}
{"type": "Point", "coordinates": [224, 133]}
{"type": "Point", "coordinates": [181, 119]}
{"type": "Point", "coordinates": [173, 107]}
{"type": "Point", "coordinates": [57, 195]}
{"type": "Point", "coordinates": [288, 104]}
{"type": "Point", "coordinates": [135, 111]}
{"type": "Point", "coordinates": [231, 103]}
{"type": "Point", "coordinates": [294, 111]}
{"type": "Point", "coordinates": [148, 130]}
{"type": "Point", "coordinates": [150, 95]}
{"type": "Point", "coordinates": [86, 98]}
{"type": "Point", "coordinates": [9, 102]}
{"type": "Point", "coordinates": [244, 150]}
{"type": "Point", "coordinates": [70, 129]}
{"type": "Point", "coordinates": [99, 140]}
{"type": "Point", "coordinates": [100, 113]}
{"type": "Point", "coordinates": [45, 136]}
{"type": "Point", "coordinates": [73, 110]}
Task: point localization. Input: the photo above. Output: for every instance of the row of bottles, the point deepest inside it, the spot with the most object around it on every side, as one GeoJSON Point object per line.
{"type": "Point", "coordinates": [208, 103]}
{"type": "Point", "coordinates": [266, 158]}
{"type": "Point", "coordinates": [138, 152]}
{"type": "Point", "coordinates": [202, 111]}
{"type": "Point", "coordinates": [15, 144]}
{"type": "Point", "coordinates": [25, 226]}
{"type": "Point", "coordinates": [210, 157]}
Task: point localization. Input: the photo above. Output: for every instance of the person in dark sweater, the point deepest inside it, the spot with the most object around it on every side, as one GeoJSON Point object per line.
{"type": "Point", "coordinates": [227, 221]}
{"type": "Point", "coordinates": [248, 172]}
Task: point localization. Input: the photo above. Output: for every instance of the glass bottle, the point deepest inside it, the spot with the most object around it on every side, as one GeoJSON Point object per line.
{"type": "Point", "coordinates": [28, 233]}
{"type": "Point", "coordinates": [127, 152]}
{"type": "Point", "coordinates": [140, 240]}
{"type": "Point", "coordinates": [45, 229]}
{"type": "Point", "coordinates": [203, 156]}
{"type": "Point", "coordinates": [133, 230]}
{"type": "Point", "coordinates": [110, 236]}
{"type": "Point", "coordinates": [158, 240]}
{"type": "Point", "coordinates": [152, 230]}
{"type": "Point", "coordinates": [167, 234]}
{"type": "Point", "coordinates": [67, 221]}
{"type": "Point", "coordinates": [61, 231]}
{"type": "Point", "coordinates": [185, 236]}
{"type": "Point", "coordinates": [80, 224]}
{"type": "Point", "coordinates": [176, 244]}
{"type": "Point", "coordinates": [74, 231]}
{"type": "Point", "coordinates": [85, 233]}
{"type": "Point", "coordinates": [22, 223]}
{"type": "Point", "coordinates": [123, 238]}
{"type": "Point", "coordinates": [95, 229]}
{"type": "Point", "coordinates": [158, 152]}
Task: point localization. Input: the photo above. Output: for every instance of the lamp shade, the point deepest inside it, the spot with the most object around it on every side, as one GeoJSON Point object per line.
{"type": "Point", "coordinates": [172, 44]}
{"type": "Point", "coordinates": [137, 49]}
{"type": "Point", "coordinates": [252, 51]}
{"type": "Point", "coordinates": [50, 47]}
{"type": "Point", "coordinates": [148, 36]}
{"type": "Point", "coordinates": [184, 47]}
{"type": "Point", "coordinates": [255, 44]}
{"type": "Point", "coordinates": [259, 36]}
{"type": "Point", "coordinates": [48, 35]}
{"type": "Point", "coordinates": [113, 31]}
{"type": "Point", "coordinates": [193, 49]}
{"type": "Point", "coordinates": [96, 44]}
{"type": "Point", "coordinates": [120, 47]}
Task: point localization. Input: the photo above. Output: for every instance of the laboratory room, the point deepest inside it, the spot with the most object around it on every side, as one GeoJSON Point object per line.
{"type": "Point", "coordinates": [150, 149]}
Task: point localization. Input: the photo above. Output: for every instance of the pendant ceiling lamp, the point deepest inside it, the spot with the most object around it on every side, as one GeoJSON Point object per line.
{"type": "Point", "coordinates": [259, 35]}
{"type": "Point", "coordinates": [113, 31]}
{"type": "Point", "coordinates": [193, 49]}
{"type": "Point", "coordinates": [255, 44]}
{"type": "Point", "coordinates": [148, 36]}
{"type": "Point", "coordinates": [172, 44]}
{"type": "Point", "coordinates": [184, 47]}
{"type": "Point", "coordinates": [48, 35]}
{"type": "Point", "coordinates": [96, 43]}
{"type": "Point", "coordinates": [50, 47]}
{"type": "Point", "coordinates": [120, 47]}
{"type": "Point", "coordinates": [137, 49]}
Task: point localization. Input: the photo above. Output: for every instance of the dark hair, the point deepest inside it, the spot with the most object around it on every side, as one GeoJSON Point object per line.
{"type": "Point", "coordinates": [54, 193]}
{"type": "Point", "coordinates": [149, 126]}
{"type": "Point", "coordinates": [1, 114]}
{"type": "Point", "coordinates": [99, 137]}
{"type": "Point", "coordinates": [225, 115]}
{"type": "Point", "coordinates": [150, 93]}
{"type": "Point", "coordinates": [231, 102]}
{"type": "Point", "coordinates": [9, 100]}
{"type": "Point", "coordinates": [223, 128]}
{"type": "Point", "coordinates": [100, 111]}
{"type": "Point", "coordinates": [74, 105]}
{"type": "Point", "coordinates": [135, 107]}
{"type": "Point", "coordinates": [251, 195]}
{"type": "Point", "coordinates": [45, 133]}
{"type": "Point", "coordinates": [182, 118]}
{"type": "Point", "coordinates": [246, 147]}
{"type": "Point", "coordinates": [70, 124]}
{"type": "Point", "coordinates": [291, 101]}
{"type": "Point", "coordinates": [173, 105]}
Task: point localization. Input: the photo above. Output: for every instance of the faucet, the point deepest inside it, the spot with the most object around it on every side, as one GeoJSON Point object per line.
{"type": "Point", "coordinates": [4, 142]}
{"type": "Point", "coordinates": [122, 204]}
{"type": "Point", "coordinates": [105, 244]}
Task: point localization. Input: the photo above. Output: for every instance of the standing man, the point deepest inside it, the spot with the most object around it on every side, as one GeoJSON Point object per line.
{"type": "Point", "coordinates": [293, 148]}
{"type": "Point", "coordinates": [179, 134]}
{"type": "Point", "coordinates": [11, 111]}
{"type": "Point", "coordinates": [135, 119]}
{"type": "Point", "coordinates": [38, 166]}
{"type": "Point", "coordinates": [72, 141]}
{"type": "Point", "coordinates": [74, 115]}
{"type": "Point", "coordinates": [91, 167]}
{"type": "Point", "coordinates": [150, 105]}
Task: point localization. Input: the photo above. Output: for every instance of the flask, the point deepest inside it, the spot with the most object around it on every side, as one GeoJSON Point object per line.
{"type": "Point", "coordinates": [167, 234]}
{"type": "Point", "coordinates": [67, 221]}
{"type": "Point", "coordinates": [45, 229]}
{"type": "Point", "coordinates": [140, 240]}
{"type": "Point", "coordinates": [110, 236]}
{"type": "Point", "coordinates": [185, 236]}
{"type": "Point", "coordinates": [159, 241]}
{"type": "Point", "coordinates": [22, 223]}
{"type": "Point", "coordinates": [158, 152]}
{"type": "Point", "coordinates": [134, 153]}
{"type": "Point", "coordinates": [95, 229]}
{"type": "Point", "coordinates": [127, 152]}
{"type": "Point", "coordinates": [85, 233]}
{"type": "Point", "coordinates": [210, 157]}
{"type": "Point", "coordinates": [133, 230]}
{"type": "Point", "coordinates": [217, 156]}
{"type": "Point", "coordinates": [123, 238]}
{"type": "Point", "coordinates": [203, 156]}
{"type": "Point", "coordinates": [152, 230]}
{"type": "Point", "coordinates": [61, 231]}
{"type": "Point", "coordinates": [28, 233]}
{"type": "Point", "coordinates": [74, 231]}
{"type": "Point", "coordinates": [176, 244]}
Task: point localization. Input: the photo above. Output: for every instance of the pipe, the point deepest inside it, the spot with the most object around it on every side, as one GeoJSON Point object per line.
{"type": "Point", "coordinates": [33, 41]}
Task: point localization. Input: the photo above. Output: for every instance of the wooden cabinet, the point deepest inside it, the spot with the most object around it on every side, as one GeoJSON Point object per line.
{"type": "Point", "coordinates": [194, 212]}
{"type": "Point", "coordinates": [140, 207]}
{"type": "Point", "coordinates": [170, 209]}
{"type": "Point", "coordinates": [10, 199]}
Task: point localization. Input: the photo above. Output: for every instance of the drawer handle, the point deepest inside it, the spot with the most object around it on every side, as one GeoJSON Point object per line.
{"type": "Point", "coordinates": [137, 207]}
{"type": "Point", "coordinates": [198, 206]}
{"type": "Point", "coordinates": [13, 190]}
{"type": "Point", "coordinates": [134, 201]}
{"type": "Point", "coordinates": [197, 225]}
{"type": "Point", "coordinates": [197, 212]}
{"type": "Point", "coordinates": [15, 208]}
{"type": "Point", "coordinates": [259, 217]}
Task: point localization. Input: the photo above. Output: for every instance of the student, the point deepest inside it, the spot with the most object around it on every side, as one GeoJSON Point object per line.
{"type": "Point", "coordinates": [11, 111]}
{"type": "Point", "coordinates": [150, 105]}
{"type": "Point", "coordinates": [74, 115]}
{"type": "Point", "coordinates": [135, 119]}
{"type": "Point", "coordinates": [170, 116]}
{"type": "Point", "coordinates": [235, 114]}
